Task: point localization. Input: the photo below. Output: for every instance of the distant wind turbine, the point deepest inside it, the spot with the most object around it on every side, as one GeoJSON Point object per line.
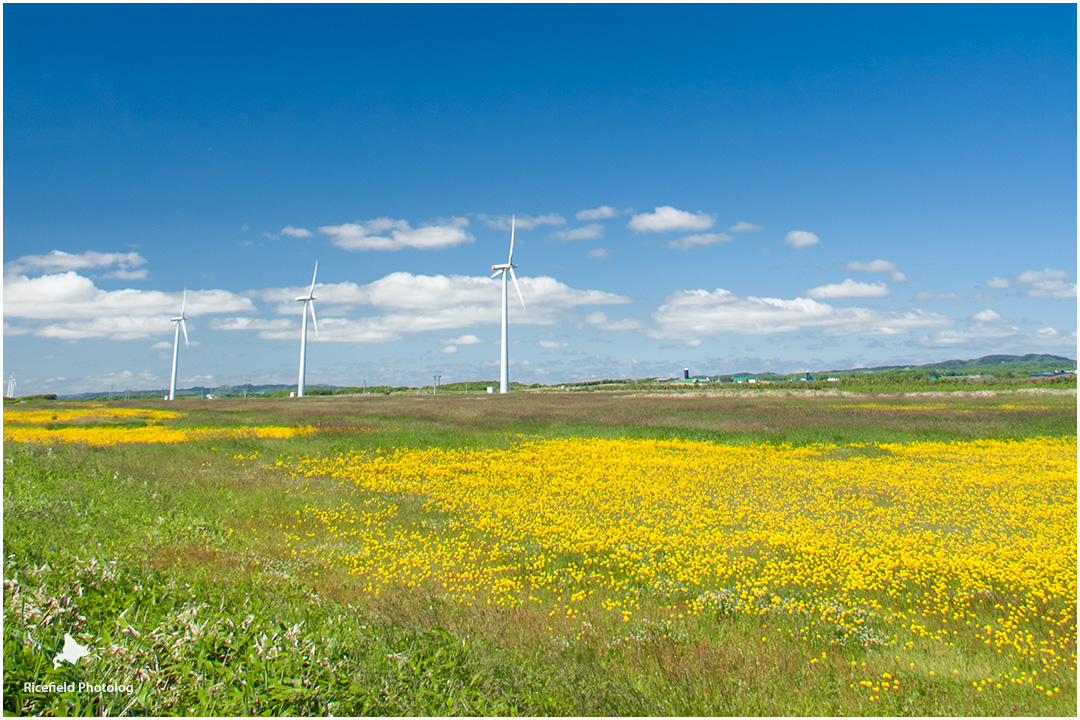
{"type": "Point", "coordinates": [180, 325]}
{"type": "Point", "coordinates": [11, 386]}
{"type": "Point", "coordinates": [508, 267]}
{"type": "Point", "coordinates": [309, 304]}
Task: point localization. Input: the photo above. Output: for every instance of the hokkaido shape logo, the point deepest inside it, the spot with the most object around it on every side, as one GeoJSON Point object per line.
{"type": "Point", "coordinates": [72, 652]}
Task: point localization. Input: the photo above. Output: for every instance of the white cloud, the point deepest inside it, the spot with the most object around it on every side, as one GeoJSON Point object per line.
{"type": "Point", "coordinates": [686, 315]}
{"type": "Point", "coordinates": [552, 344]}
{"type": "Point", "coordinates": [986, 316]}
{"type": "Point", "coordinates": [620, 325]}
{"type": "Point", "coordinates": [296, 232]}
{"type": "Point", "coordinates": [463, 340]}
{"type": "Point", "coordinates": [800, 239]}
{"type": "Point", "coordinates": [388, 234]}
{"type": "Point", "coordinates": [595, 318]}
{"type": "Point", "coordinates": [929, 296]}
{"type": "Point", "coordinates": [410, 303]}
{"type": "Point", "coordinates": [668, 219]}
{"type": "Point", "coordinates": [1051, 338]}
{"type": "Point", "coordinates": [599, 254]}
{"type": "Point", "coordinates": [976, 333]}
{"type": "Point", "coordinates": [126, 275]}
{"type": "Point", "coordinates": [601, 321]}
{"type": "Point", "coordinates": [848, 289]}
{"type": "Point", "coordinates": [522, 222]}
{"type": "Point", "coordinates": [998, 283]}
{"type": "Point", "coordinates": [85, 311]}
{"type": "Point", "coordinates": [741, 227]}
{"type": "Point", "coordinates": [898, 277]}
{"type": "Point", "coordinates": [71, 297]}
{"type": "Point", "coordinates": [588, 232]}
{"type": "Point", "coordinates": [248, 323]}
{"type": "Point", "coordinates": [601, 213]}
{"type": "Point", "coordinates": [58, 261]}
{"type": "Point", "coordinates": [691, 241]}
{"type": "Point", "coordinates": [1047, 283]}
{"type": "Point", "coordinates": [449, 350]}
{"type": "Point", "coordinates": [871, 267]}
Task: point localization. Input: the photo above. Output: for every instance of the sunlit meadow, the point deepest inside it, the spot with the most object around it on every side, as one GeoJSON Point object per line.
{"type": "Point", "coordinates": [885, 575]}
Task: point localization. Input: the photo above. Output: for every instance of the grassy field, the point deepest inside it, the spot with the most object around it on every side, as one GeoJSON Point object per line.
{"type": "Point", "coordinates": [586, 554]}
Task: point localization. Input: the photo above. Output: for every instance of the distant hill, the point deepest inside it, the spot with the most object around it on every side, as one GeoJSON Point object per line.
{"type": "Point", "coordinates": [997, 365]}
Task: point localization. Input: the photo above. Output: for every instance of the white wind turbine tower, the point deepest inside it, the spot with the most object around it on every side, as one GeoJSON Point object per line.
{"type": "Point", "coordinates": [180, 325]}
{"type": "Point", "coordinates": [11, 386]}
{"type": "Point", "coordinates": [504, 377]}
{"type": "Point", "coordinates": [309, 304]}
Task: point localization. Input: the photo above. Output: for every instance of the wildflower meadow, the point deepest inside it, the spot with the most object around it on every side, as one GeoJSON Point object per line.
{"type": "Point", "coordinates": [857, 555]}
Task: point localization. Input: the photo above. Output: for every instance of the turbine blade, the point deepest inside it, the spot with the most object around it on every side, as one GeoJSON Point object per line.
{"type": "Point", "coordinates": [496, 274]}
{"type": "Point", "coordinates": [183, 305]}
{"type": "Point", "coordinates": [518, 287]}
{"type": "Point", "coordinates": [183, 326]}
{"type": "Point", "coordinates": [312, 290]}
{"type": "Point", "coordinates": [511, 260]}
{"type": "Point", "coordinates": [311, 304]}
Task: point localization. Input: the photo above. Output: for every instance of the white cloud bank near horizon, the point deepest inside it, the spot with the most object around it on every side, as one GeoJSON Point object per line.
{"type": "Point", "coordinates": [692, 314]}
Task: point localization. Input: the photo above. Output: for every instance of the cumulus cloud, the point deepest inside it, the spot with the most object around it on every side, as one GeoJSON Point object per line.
{"type": "Point", "coordinates": [389, 234]}
{"type": "Point", "coordinates": [668, 219]}
{"type": "Point", "coordinates": [870, 267]}
{"type": "Point", "coordinates": [58, 261]}
{"type": "Point", "coordinates": [82, 310]}
{"type": "Point", "coordinates": [70, 296]}
{"type": "Point", "coordinates": [588, 232]}
{"type": "Point", "coordinates": [601, 213]}
{"type": "Point", "coordinates": [998, 283]}
{"type": "Point", "coordinates": [522, 222]}
{"type": "Point", "coordinates": [898, 277]}
{"type": "Point", "coordinates": [741, 227]}
{"type": "Point", "coordinates": [692, 314]}
{"type": "Point", "coordinates": [848, 289]}
{"type": "Point", "coordinates": [928, 296]}
{"type": "Point", "coordinates": [691, 241]}
{"type": "Point", "coordinates": [408, 303]}
{"type": "Point", "coordinates": [800, 239]}
{"type": "Point", "coordinates": [986, 316]}
{"type": "Point", "coordinates": [1047, 283]}
{"type": "Point", "coordinates": [296, 232]}
{"type": "Point", "coordinates": [552, 344]}
{"type": "Point", "coordinates": [599, 254]}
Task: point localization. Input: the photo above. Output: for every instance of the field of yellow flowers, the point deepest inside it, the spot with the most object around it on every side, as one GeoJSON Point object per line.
{"type": "Point", "coordinates": [902, 546]}
{"type": "Point", "coordinates": [867, 577]}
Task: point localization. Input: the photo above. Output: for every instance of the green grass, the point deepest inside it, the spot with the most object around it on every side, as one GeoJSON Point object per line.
{"type": "Point", "coordinates": [164, 560]}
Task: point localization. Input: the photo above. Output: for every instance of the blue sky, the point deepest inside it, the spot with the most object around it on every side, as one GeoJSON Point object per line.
{"type": "Point", "coordinates": [717, 187]}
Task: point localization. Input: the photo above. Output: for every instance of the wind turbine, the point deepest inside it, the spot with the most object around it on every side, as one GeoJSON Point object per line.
{"type": "Point", "coordinates": [508, 267]}
{"type": "Point", "coordinates": [180, 325]}
{"type": "Point", "coordinates": [11, 386]}
{"type": "Point", "coordinates": [309, 304]}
